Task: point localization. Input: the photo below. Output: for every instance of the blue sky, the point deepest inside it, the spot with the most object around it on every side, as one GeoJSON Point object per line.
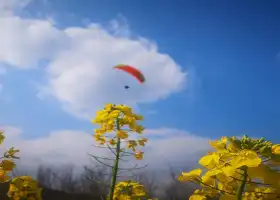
{"type": "Point", "coordinates": [228, 48]}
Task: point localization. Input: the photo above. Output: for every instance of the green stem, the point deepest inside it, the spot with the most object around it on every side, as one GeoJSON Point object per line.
{"type": "Point", "coordinates": [242, 185]}
{"type": "Point", "coordinates": [116, 166]}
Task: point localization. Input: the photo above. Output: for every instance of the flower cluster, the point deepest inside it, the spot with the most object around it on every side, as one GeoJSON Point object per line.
{"type": "Point", "coordinates": [238, 169]}
{"type": "Point", "coordinates": [6, 162]}
{"type": "Point", "coordinates": [24, 187]}
{"type": "Point", "coordinates": [119, 119]}
{"type": "Point", "coordinates": [128, 190]}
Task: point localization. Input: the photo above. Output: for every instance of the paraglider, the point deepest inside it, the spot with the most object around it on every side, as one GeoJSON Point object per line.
{"type": "Point", "coordinates": [132, 71]}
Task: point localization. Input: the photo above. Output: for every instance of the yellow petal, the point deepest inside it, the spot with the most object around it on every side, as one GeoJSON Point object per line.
{"type": "Point", "coordinates": [190, 176]}
{"type": "Point", "coordinates": [228, 170]}
{"type": "Point", "coordinates": [232, 148]}
{"type": "Point", "coordinates": [208, 180]}
{"type": "Point", "coordinates": [209, 161]}
{"type": "Point", "coordinates": [112, 142]}
{"type": "Point", "coordinates": [142, 141]}
{"type": "Point", "coordinates": [247, 158]}
{"type": "Point", "coordinates": [7, 165]}
{"type": "Point", "coordinates": [219, 144]}
{"type": "Point", "coordinates": [122, 134]}
{"type": "Point", "coordinates": [3, 176]}
{"type": "Point", "coordinates": [276, 149]}
{"type": "Point", "coordinates": [213, 172]}
{"type": "Point", "coordinates": [266, 174]}
{"type": "Point", "coordinates": [138, 155]}
{"type": "Point", "coordinates": [198, 197]}
{"type": "Point", "coordinates": [227, 197]}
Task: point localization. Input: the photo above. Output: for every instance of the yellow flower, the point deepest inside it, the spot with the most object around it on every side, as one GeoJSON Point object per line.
{"type": "Point", "coordinates": [111, 114]}
{"type": "Point", "coordinates": [138, 129]}
{"type": "Point", "coordinates": [219, 144]}
{"type": "Point", "coordinates": [276, 149]}
{"type": "Point", "coordinates": [261, 193]}
{"type": "Point", "coordinates": [125, 110]}
{"type": "Point", "coordinates": [114, 118]}
{"type": "Point", "coordinates": [265, 174]}
{"type": "Point", "coordinates": [112, 142]}
{"type": "Point", "coordinates": [109, 107]}
{"type": "Point", "coordinates": [232, 148]}
{"type": "Point", "coordinates": [138, 155]}
{"type": "Point", "coordinates": [208, 180]}
{"type": "Point", "coordinates": [228, 170]}
{"type": "Point", "coordinates": [138, 117]}
{"type": "Point", "coordinates": [107, 127]}
{"type": "Point", "coordinates": [122, 134]}
{"type": "Point", "coordinates": [100, 117]}
{"type": "Point", "coordinates": [128, 190]}
{"type": "Point", "coordinates": [24, 187]}
{"type": "Point", "coordinates": [142, 141]}
{"type": "Point", "coordinates": [198, 197]}
{"type": "Point", "coordinates": [114, 114]}
{"type": "Point", "coordinates": [100, 131]}
{"type": "Point", "coordinates": [193, 175]}
{"type": "Point", "coordinates": [100, 139]}
{"type": "Point", "coordinates": [7, 165]}
{"type": "Point", "coordinates": [213, 172]}
{"type": "Point", "coordinates": [131, 122]}
{"type": "Point", "coordinates": [209, 161]}
{"type": "Point", "coordinates": [260, 172]}
{"type": "Point", "coordinates": [110, 122]}
{"type": "Point", "coordinates": [228, 197]}
{"type": "Point", "coordinates": [3, 176]}
{"type": "Point", "coordinates": [247, 158]}
{"type": "Point", "coordinates": [132, 144]}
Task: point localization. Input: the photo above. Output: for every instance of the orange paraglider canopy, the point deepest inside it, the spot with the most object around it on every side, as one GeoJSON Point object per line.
{"type": "Point", "coordinates": [132, 71]}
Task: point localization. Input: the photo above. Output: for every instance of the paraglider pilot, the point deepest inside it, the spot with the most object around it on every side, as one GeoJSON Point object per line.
{"type": "Point", "coordinates": [132, 71]}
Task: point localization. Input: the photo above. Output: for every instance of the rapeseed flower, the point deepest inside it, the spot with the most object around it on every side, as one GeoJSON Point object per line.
{"type": "Point", "coordinates": [24, 187]}
{"type": "Point", "coordinates": [238, 169]}
{"type": "Point", "coordinates": [121, 120]}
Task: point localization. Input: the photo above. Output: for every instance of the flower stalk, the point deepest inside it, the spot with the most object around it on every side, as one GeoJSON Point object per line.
{"type": "Point", "coordinates": [243, 184]}
{"type": "Point", "coordinates": [116, 165]}
{"type": "Point", "coordinates": [116, 123]}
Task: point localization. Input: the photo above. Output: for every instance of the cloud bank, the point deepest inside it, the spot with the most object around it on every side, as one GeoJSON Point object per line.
{"type": "Point", "coordinates": [165, 147]}
{"type": "Point", "coordinates": [79, 73]}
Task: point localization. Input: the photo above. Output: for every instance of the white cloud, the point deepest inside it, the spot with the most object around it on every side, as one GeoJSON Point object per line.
{"type": "Point", "coordinates": [174, 147]}
{"type": "Point", "coordinates": [80, 74]}
{"type": "Point", "coordinates": [8, 6]}
{"type": "Point", "coordinates": [86, 68]}
{"type": "Point", "coordinates": [37, 40]}
{"type": "Point", "coordinates": [58, 148]}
